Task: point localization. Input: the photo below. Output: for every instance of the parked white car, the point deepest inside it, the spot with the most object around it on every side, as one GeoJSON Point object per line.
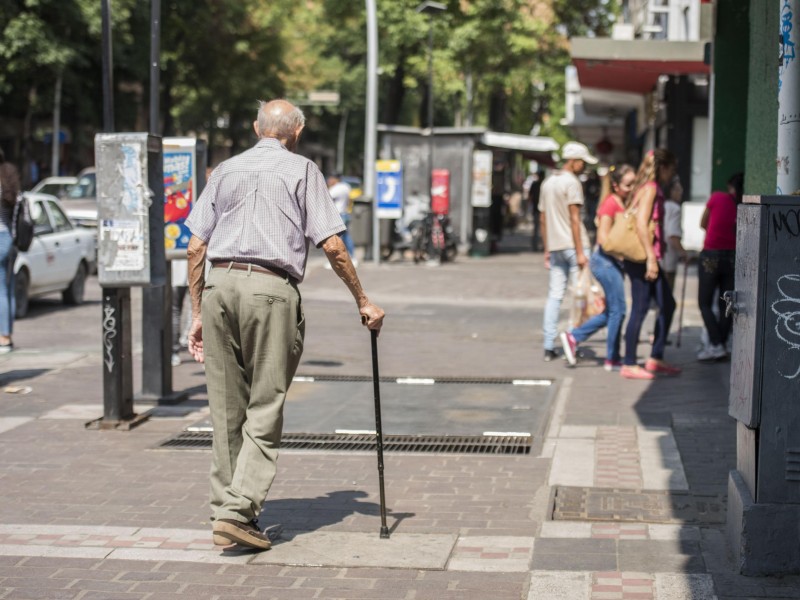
{"type": "Point", "coordinates": [55, 186]}
{"type": "Point", "coordinates": [60, 259]}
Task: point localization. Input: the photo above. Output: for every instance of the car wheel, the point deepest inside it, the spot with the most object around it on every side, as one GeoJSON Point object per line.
{"type": "Point", "coordinates": [73, 295]}
{"type": "Point", "coordinates": [21, 299]}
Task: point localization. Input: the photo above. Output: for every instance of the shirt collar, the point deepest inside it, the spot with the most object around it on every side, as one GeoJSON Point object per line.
{"type": "Point", "coordinates": [270, 143]}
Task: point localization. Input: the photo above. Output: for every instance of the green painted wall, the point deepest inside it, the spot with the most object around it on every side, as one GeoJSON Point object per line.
{"type": "Point", "coordinates": [731, 62]}
{"type": "Point", "coordinates": [762, 99]}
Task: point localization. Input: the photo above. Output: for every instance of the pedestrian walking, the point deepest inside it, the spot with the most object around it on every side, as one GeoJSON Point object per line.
{"type": "Point", "coordinates": [340, 192]}
{"type": "Point", "coordinates": [9, 190]}
{"type": "Point", "coordinates": [564, 236]}
{"type": "Point", "coordinates": [254, 222]}
{"type": "Point", "coordinates": [648, 282]}
{"type": "Point", "coordinates": [717, 266]}
{"type": "Point", "coordinates": [607, 269]}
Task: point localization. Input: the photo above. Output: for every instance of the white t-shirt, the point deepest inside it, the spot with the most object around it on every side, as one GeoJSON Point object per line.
{"type": "Point", "coordinates": [672, 228]}
{"type": "Point", "coordinates": [340, 192]}
{"type": "Point", "coordinates": [560, 190]}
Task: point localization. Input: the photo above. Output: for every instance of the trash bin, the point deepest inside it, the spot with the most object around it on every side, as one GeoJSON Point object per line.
{"type": "Point", "coordinates": [361, 223]}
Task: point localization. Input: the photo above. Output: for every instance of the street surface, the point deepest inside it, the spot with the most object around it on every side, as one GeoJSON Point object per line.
{"type": "Point", "coordinates": [622, 496]}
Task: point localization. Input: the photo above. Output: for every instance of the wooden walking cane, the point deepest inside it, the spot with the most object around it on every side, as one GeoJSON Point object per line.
{"type": "Point", "coordinates": [683, 301]}
{"type": "Point", "coordinates": [376, 382]}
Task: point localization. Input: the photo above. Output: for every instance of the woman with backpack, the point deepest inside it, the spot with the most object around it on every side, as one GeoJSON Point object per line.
{"type": "Point", "coordinates": [9, 190]}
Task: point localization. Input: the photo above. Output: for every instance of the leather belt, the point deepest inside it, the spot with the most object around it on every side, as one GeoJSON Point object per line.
{"type": "Point", "coordinates": [249, 267]}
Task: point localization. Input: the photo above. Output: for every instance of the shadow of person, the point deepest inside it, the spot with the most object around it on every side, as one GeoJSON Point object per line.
{"type": "Point", "coordinates": [309, 514]}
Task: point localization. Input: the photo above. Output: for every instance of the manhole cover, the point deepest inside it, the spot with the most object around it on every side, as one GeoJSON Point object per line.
{"type": "Point", "coordinates": [646, 506]}
{"type": "Point", "coordinates": [342, 442]}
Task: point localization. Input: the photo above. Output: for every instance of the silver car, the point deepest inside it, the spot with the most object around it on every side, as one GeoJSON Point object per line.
{"type": "Point", "coordinates": [60, 258]}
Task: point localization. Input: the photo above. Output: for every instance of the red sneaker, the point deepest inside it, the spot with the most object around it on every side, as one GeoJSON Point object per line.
{"type": "Point", "coordinates": [659, 366]}
{"type": "Point", "coordinates": [635, 372]}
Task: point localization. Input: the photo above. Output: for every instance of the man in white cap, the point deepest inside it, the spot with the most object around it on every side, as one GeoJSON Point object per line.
{"type": "Point", "coordinates": [566, 244]}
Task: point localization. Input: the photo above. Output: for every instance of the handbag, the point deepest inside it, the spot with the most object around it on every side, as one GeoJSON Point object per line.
{"type": "Point", "coordinates": [623, 239]}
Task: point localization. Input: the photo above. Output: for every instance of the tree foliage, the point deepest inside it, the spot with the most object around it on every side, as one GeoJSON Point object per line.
{"type": "Point", "coordinates": [497, 63]}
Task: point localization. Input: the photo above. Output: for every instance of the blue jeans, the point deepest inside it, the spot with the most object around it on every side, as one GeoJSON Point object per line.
{"type": "Point", "coordinates": [642, 292]}
{"type": "Point", "coordinates": [345, 235]}
{"type": "Point", "coordinates": [563, 269]}
{"type": "Point", "coordinates": [7, 303]}
{"type": "Point", "coordinates": [609, 273]}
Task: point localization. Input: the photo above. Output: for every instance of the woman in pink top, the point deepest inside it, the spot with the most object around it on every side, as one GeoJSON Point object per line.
{"type": "Point", "coordinates": [717, 266]}
{"type": "Point", "coordinates": [647, 280]}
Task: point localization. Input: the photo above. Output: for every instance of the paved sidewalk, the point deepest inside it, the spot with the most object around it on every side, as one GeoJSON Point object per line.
{"type": "Point", "coordinates": [623, 497]}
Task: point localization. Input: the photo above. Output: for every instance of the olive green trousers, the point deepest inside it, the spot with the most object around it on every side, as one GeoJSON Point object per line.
{"type": "Point", "coordinates": [253, 328]}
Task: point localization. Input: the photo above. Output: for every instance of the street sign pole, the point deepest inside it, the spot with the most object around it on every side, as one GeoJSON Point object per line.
{"type": "Point", "coordinates": [371, 127]}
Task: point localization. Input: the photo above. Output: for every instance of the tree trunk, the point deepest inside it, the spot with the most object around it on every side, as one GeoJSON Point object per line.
{"type": "Point", "coordinates": [498, 109]}
{"type": "Point", "coordinates": [25, 167]}
{"type": "Point", "coordinates": [395, 92]}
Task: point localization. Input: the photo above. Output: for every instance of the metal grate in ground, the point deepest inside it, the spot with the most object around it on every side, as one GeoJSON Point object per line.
{"type": "Point", "coordinates": [365, 442]}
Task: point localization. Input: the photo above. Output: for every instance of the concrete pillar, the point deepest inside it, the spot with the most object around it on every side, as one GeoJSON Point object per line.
{"type": "Point", "coordinates": [789, 99]}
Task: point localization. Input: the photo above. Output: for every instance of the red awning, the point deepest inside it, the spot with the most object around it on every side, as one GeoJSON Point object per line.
{"type": "Point", "coordinates": [634, 66]}
{"type": "Point", "coordinates": [637, 76]}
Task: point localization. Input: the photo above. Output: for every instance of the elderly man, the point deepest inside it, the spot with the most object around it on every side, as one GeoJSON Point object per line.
{"type": "Point", "coordinates": [566, 243]}
{"type": "Point", "coordinates": [253, 222]}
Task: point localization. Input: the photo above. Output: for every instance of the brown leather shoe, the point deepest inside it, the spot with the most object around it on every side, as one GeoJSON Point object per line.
{"type": "Point", "coordinates": [230, 531]}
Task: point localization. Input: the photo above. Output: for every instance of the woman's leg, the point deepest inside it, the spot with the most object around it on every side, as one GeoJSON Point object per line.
{"type": "Point", "coordinates": [640, 302]}
{"type": "Point", "coordinates": [666, 310]}
{"type": "Point", "coordinates": [727, 283]}
{"type": "Point", "coordinates": [614, 286]}
{"type": "Point", "coordinates": [707, 284]}
{"type": "Point", "coordinates": [6, 287]}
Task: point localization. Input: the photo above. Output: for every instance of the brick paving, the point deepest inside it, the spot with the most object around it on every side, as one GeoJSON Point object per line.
{"type": "Point", "coordinates": [471, 318]}
{"type": "Point", "coordinates": [617, 458]}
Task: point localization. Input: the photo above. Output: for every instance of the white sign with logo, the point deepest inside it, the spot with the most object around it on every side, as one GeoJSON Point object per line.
{"type": "Point", "coordinates": [482, 178]}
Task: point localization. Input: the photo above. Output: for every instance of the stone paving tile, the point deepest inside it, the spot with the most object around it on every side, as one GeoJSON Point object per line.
{"type": "Point", "coordinates": [615, 585]}
{"type": "Point", "coordinates": [502, 554]}
{"type": "Point", "coordinates": [559, 585]}
{"type": "Point", "coordinates": [617, 462]}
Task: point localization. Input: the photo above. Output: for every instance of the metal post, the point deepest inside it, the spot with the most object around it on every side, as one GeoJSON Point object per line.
{"type": "Point", "coordinates": [56, 154]}
{"type": "Point", "coordinates": [370, 133]}
{"type": "Point", "coordinates": [430, 107]}
{"type": "Point", "coordinates": [116, 316]}
{"type": "Point", "coordinates": [788, 100]}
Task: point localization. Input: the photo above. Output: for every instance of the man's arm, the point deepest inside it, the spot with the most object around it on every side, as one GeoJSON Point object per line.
{"type": "Point", "coordinates": [372, 316]}
{"type": "Point", "coordinates": [196, 253]}
{"type": "Point", "coordinates": [543, 234]}
{"type": "Point", "coordinates": [575, 226]}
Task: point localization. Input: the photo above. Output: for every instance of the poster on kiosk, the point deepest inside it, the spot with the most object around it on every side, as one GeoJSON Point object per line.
{"type": "Point", "coordinates": [180, 187]}
{"type": "Point", "coordinates": [440, 191]}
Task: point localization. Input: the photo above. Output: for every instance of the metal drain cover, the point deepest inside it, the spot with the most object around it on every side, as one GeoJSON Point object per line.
{"type": "Point", "coordinates": [339, 442]}
{"type": "Point", "coordinates": [640, 506]}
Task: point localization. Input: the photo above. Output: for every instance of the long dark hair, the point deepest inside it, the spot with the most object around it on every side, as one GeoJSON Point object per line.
{"type": "Point", "coordinates": [652, 163]}
{"type": "Point", "coordinates": [736, 183]}
{"type": "Point", "coordinates": [616, 173]}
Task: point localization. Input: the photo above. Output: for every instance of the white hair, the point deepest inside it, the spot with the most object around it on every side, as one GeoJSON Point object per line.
{"type": "Point", "coordinates": [274, 120]}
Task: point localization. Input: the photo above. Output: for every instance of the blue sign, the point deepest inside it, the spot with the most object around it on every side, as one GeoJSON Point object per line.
{"type": "Point", "coordinates": [390, 189]}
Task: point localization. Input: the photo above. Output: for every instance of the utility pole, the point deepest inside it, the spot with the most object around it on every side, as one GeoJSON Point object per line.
{"type": "Point", "coordinates": [371, 126]}
{"type": "Point", "coordinates": [789, 100]}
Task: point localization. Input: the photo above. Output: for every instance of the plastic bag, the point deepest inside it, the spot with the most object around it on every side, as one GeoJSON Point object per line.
{"type": "Point", "coordinates": [588, 298]}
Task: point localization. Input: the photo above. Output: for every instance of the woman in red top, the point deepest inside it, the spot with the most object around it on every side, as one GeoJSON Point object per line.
{"type": "Point", "coordinates": [647, 280]}
{"type": "Point", "coordinates": [607, 269]}
{"type": "Point", "coordinates": [717, 266]}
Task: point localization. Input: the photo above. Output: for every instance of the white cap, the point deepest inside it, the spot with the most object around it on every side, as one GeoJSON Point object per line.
{"type": "Point", "coordinates": [577, 151]}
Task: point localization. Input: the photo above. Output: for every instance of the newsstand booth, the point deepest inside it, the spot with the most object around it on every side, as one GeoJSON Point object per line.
{"type": "Point", "coordinates": [462, 186]}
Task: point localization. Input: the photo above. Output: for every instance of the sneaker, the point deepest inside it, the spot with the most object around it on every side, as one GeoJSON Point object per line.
{"type": "Point", "coordinates": [712, 353]}
{"type": "Point", "coordinates": [550, 355]}
{"type": "Point", "coordinates": [659, 366]}
{"type": "Point", "coordinates": [176, 360]}
{"type": "Point", "coordinates": [635, 372]}
{"type": "Point", "coordinates": [6, 348]}
{"type": "Point", "coordinates": [570, 347]}
{"type": "Point", "coordinates": [227, 531]}
{"type": "Point", "coordinates": [612, 365]}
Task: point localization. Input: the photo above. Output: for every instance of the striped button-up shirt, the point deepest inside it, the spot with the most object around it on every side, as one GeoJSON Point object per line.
{"type": "Point", "coordinates": [263, 207]}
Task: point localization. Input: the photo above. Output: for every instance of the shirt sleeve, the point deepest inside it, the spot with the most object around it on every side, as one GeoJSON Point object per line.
{"type": "Point", "coordinates": [608, 208]}
{"type": "Point", "coordinates": [672, 220]}
{"type": "Point", "coordinates": [322, 216]}
{"type": "Point", "coordinates": [203, 218]}
{"type": "Point", "coordinates": [574, 191]}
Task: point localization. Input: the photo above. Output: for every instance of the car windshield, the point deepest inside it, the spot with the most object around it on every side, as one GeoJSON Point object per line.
{"type": "Point", "coordinates": [85, 188]}
{"type": "Point", "coordinates": [51, 188]}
